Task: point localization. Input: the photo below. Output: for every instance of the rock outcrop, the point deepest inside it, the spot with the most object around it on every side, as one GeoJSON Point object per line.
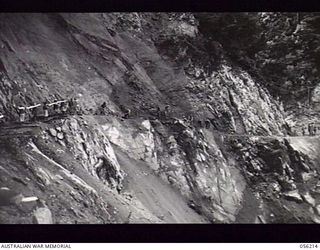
{"type": "Point", "coordinates": [175, 122]}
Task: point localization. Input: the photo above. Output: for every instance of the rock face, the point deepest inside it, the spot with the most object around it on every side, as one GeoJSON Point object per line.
{"type": "Point", "coordinates": [293, 195]}
{"type": "Point", "coordinates": [90, 148]}
{"type": "Point", "coordinates": [169, 115]}
{"type": "Point", "coordinates": [42, 215]}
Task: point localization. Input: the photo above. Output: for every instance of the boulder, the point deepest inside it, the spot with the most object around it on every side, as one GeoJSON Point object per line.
{"type": "Point", "coordinates": [53, 132]}
{"type": "Point", "coordinates": [42, 215]}
{"type": "Point", "coordinates": [293, 196]}
{"type": "Point", "coordinates": [309, 199]}
{"type": "Point", "coordinates": [171, 140]}
{"type": "Point", "coordinates": [29, 199]}
{"type": "Point", "coordinates": [146, 125]}
{"type": "Point", "coordinates": [62, 143]}
{"type": "Point", "coordinates": [60, 136]}
{"type": "Point", "coordinates": [287, 185]}
{"type": "Point", "coordinates": [306, 176]}
{"type": "Point", "coordinates": [317, 209]}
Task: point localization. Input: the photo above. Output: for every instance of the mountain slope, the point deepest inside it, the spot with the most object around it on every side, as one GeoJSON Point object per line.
{"type": "Point", "coordinates": [235, 161]}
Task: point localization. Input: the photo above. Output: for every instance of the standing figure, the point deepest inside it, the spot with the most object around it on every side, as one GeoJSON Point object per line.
{"type": "Point", "coordinates": [33, 111]}
{"type": "Point", "coordinates": [166, 111]}
{"type": "Point", "coordinates": [158, 113]}
{"type": "Point", "coordinates": [127, 113]}
{"type": "Point", "coordinates": [56, 107]}
{"type": "Point", "coordinates": [102, 109]}
{"type": "Point", "coordinates": [45, 109]}
{"type": "Point", "coordinates": [71, 106]}
{"type": "Point", "coordinates": [34, 114]}
{"type": "Point", "coordinates": [64, 107]}
{"type": "Point", "coordinates": [22, 113]}
{"type": "Point", "coordinates": [77, 107]}
{"type": "Point", "coordinates": [104, 105]}
{"type": "Point", "coordinates": [309, 129]}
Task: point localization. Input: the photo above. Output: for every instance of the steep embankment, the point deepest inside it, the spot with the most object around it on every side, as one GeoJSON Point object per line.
{"type": "Point", "coordinates": [148, 168]}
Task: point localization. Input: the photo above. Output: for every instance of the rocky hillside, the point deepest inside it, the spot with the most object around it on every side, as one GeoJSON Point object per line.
{"type": "Point", "coordinates": [222, 151]}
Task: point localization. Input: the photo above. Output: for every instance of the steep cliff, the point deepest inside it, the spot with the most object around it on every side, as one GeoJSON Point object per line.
{"type": "Point", "coordinates": [223, 151]}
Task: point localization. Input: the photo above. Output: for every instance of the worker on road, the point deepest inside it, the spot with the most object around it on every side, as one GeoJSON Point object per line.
{"type": "Point", "coordinates": [64, 107]}
{"type": "Point", "coordinates": [34, 114]}
{"type": "Point", "coordinates": [77, 107]}
{"type": "Point", "coordinates": [46, 109]}
{"type": "Point", "coordinates": [33, 111]}
{"type": "Point", "coordinates": [127, 113]}
{"type": "Point", "coordinates": [71, 106]}
{"type": "Point", "coordinates": [311, 129]}
{"type": "Point", "coordinates": [166, 111]}
{"type": "Point", "coordinates": [22, 113]}
{"type": "Point", "coordinates": [56, 107]}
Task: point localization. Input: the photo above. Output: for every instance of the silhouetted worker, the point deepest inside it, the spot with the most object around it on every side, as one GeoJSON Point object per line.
{"type": "Point", "coordinates": [33, 111]}
{"type": "Point", "coordinates": [71, 106]}
{"type": "Point", "coordinates": [310, 128]}
{"type": "Point", "coordinates": [56, 107]}
{"type": "Point", "coordinates": [303, 131]}
{"type": "Point", "coordinates": [299, 25]}
{"type": "Point", "coordinates": [127, 113]}
{"type": "Point", "coordinates": [158, 113]}
{"type": "Point", "coordinates": [102, 110]}
{"type": "Point", "coordinates": [64, 107]}
{"type": "Point", "coordinates": [45, 109]}
{"type": "Point", "coordinates": [166, 111]}
{"type": "Point", "coordinates": [22, 113]}
{"type": "Point", "coordinates": [34, 114]}
{"type": "Point", "coordinates": [77, 107]}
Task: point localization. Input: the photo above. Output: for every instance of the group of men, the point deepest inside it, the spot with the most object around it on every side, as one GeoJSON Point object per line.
{"type": "Point", "coordinates": [159, 113]}
{"type": "Point", "coordinates": [312, 129]}
{"type": "Point", "coordinates": [31, 113]}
